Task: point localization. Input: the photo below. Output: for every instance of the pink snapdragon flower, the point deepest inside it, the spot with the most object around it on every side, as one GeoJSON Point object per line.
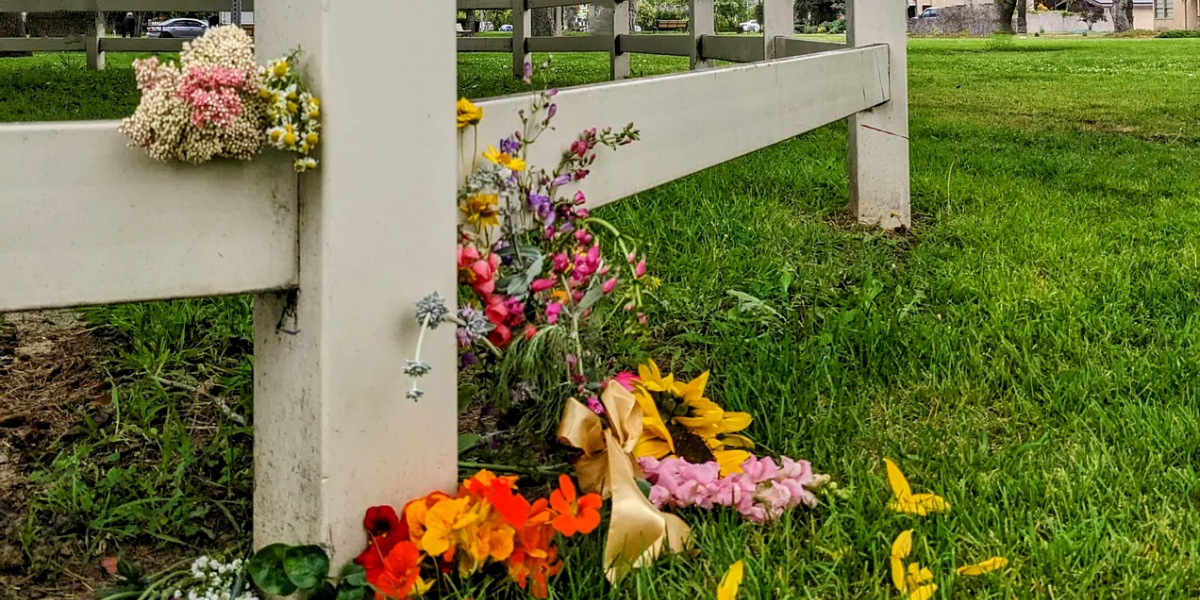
{"type": "Point", "coordinates": [761, 492]}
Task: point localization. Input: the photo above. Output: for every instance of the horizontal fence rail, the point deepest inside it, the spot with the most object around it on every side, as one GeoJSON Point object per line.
{"type": "Point", "coordinates": [28, 6]}
{"type": "Point", "coordinates": [142, 230]}
{"type": "Point", "coordinates": [666, 45]}
{"type": "Point", "coordinates": [676, 112]}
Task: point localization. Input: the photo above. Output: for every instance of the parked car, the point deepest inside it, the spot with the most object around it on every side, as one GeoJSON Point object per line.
{"type": "Point", "coordinates": [750, 26]}
{"type": "Point", "coordinates": [177, 28]}
{"type": "Point", "coordinates": [929, 13]}
{"type": "Point", "coordinates": [506, 27]}
{"type": "Point", "coordinates": [486, 26]}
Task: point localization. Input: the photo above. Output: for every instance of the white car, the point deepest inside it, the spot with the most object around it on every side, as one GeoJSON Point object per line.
{"type": "Point", "coordinates": [750, 26]}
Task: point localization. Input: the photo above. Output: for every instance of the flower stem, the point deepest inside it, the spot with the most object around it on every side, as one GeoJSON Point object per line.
{"type": "Point", "coordinates": [420, 341]}
{"type": "Point", "coordinates": [514, 469]}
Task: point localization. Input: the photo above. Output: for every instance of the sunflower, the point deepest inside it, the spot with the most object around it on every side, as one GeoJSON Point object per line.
{"type": "Point", "coordinates": [694, 427]}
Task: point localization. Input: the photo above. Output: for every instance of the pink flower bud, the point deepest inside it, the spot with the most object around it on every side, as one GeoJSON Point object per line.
{"type": "Point", "coordinates": [579, 197]}
{"type": "Point", "coordinates": [640, 269]}
{"type": "Point", "coordinates": [629, 307]}
{"type": "Point", "coordinates": [642, 318]}
{"type": "Point", "coordinates": [610, 285]}
{"type": "Point", "coordinates": [542, 285]}
{"type": "Point", "coordinates": [632, 256]}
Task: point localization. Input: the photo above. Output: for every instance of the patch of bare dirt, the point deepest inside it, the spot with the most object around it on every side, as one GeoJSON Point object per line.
{"type": "Point", "coordinates": [49, 378]}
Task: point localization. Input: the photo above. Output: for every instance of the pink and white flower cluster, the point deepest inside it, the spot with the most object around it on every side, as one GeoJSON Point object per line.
{"type": "Point", "coordinates": [761, 492]}
{"type": "Point", "coordinates": [205, 107]}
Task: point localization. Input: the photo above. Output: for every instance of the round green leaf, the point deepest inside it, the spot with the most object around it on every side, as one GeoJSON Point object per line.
{"type": "Point", "coordinates": [326, 591]}
{"type": "Point", "coordinates": [306, 566]}
{"type": "Point", "coordinates": [351, 593]}
{"type": "Point", "coordinates": [353, 575]}
{"type": "Point", "coordinates": [266, 569]}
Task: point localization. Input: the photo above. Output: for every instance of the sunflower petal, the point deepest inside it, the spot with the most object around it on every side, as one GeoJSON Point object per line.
{"type": "Point", "coordinates": [731, 461]}
{"type": "Point", "coordinates": [735, 421]}
{"type": "Point", "coordinates": [900, 488]}
{"type": "Point", "coordinates": [917, 575]}
{"type": "Point", "coordinates": [903, 544]}
{"type": "Point", "coordinates": [898, 578]}
{"type": "Point", "coordinates": [924, 592]}
{"type": "Point", "coordinates": [987, 566]}
{"type": "Point", "coordinates": [733, 440]}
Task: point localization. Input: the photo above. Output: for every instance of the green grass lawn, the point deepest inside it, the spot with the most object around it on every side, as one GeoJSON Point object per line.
{"type": "Point", "coordinates": [1030, 351]}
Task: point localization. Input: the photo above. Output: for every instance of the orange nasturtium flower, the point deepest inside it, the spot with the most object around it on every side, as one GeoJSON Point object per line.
{"type": "Point", "coordinates": [400, 577]}
{"type": "Point", "coordinates": [575, 515]}
{"type": "Point", "coordinates": [442, 525]}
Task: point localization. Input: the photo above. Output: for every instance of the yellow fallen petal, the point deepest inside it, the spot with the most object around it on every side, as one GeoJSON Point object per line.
{"type": "Point", "coordinates": [903, 544]}
{"type": "Point", "coordinates": [924, 592]}
{"type": "Point", "coordinates": [920, 504]}
{"type": "Point", "coordinates": [896, 479]}
{"type": "Point", "coordinates": [991, 564]}
{"type": "Point", "coordinates": [729, 583]}
{"type": "Point", "coordinates": [898, 578]}
{"type": "Point", "coordinates": [917, 575]}
{"type": "Point", "coordinates": [735, 421]}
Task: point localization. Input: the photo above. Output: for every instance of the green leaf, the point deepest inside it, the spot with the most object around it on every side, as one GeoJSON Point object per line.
{"type": "Point", "coordinates": [466, 441]}
{"type": "Point", "coordinates": [518, 285]}
{"type": "Point", "coordinates": [325, 591]}
{"type": "Point", "coordinates": [353, 574]}
{"type": "Point", "coordinates": [266, 569]}
{"type": "Point", "coordinates": [306, 566]}
{"type": "Point", "coordinates": [351, 593]}
{"type": "Point", "coordinates": [466, 393]}
{"type": "Point", "coordinates": [592, 296]}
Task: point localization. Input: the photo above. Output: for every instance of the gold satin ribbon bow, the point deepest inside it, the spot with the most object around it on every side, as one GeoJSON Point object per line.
{"type": "Point", "coordinates": [637, 532]}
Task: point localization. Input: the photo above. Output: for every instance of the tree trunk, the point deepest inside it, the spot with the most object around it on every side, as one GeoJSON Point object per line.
{"type": "Point", "coordinates": [1006, 15]}
{"type": "Point", "coordinates": [543, 22]}
{"type": "Point", "coordinates": [471, 23]}
{"type": "Point", "coordinates": [1022, 23]}
{"type": "Point", "coordinates": [1121, 13]}
{"type": "Point", "coordinates": [632, 15]}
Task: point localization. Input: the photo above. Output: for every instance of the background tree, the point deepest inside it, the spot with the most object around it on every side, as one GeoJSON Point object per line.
{"type": "Point", "coordinates": [1005, 18]}
{"type": "Point", "coordinates": [815, 12]}
{"type": "Point", "coordinates": [542, 22]}
{"type": "Point", "coordinates": [1089, 13]}
{"type": "Point", "coordinates": [760, 14]}
{"type": "Point", "coordinates": [1022, 22]}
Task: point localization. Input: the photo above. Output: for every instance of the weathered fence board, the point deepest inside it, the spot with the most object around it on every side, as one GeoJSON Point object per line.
{"type": "Point", "coordinates": [795, 47]}
{"type": "Point", "coordinates": [69, 44]}
{"type": "Point", "coordinates": [579, 43]}
{"type": "Point", "coordinates": [485, 44]}
{"type": "Point", "coordinates": [732, 48]}
{"type": "Point", "coordinates": [667, 45]}
{"type": "Point", "coordinates": [85, 220]}
{"type": "Point", "coordinates": [141, 45]}
{"type": "Point", "coordinates": [676, 112]}
{"type": "Point", "coordinates": [33, 6]}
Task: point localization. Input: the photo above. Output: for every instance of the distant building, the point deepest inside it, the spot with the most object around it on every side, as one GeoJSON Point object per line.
{"type": "Point", "coordinates": [1156, 15]}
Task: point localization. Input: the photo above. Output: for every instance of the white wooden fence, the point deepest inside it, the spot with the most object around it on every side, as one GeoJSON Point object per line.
{"type": "Point", "coordinates": [93, 41]}
{"type": "Point", "coordinates": [338, 257]}
{"type": "Point", "coordinates": [701, 44]}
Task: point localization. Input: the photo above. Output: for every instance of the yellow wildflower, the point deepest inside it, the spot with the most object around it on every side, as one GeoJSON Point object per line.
{"type": "Point", "coordinates": [468, 114]}
{"type": "Point", "coordinates": [482, 210]}
{"type": "Point", "coordinates": [280, 68]}
{"type": "Point", "coordinates": [504, 159]}
{"type": "Point", "coordinates": [905, 501]}
{"type": "Point", "coordinates": [312, 138]}
{"type": "Point", "coordinates": [731, 581]}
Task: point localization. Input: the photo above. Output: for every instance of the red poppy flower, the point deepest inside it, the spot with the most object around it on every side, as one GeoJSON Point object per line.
{"type": "Point", "coordinates": [575, 515]}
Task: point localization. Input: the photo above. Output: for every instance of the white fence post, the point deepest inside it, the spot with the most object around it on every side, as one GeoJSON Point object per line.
{"type": "Point", "coordinates": [522, 27]}
{"type": "Point", "coordinates": [95, 31]}
{"type": "Point", "coordinates": [777, 22]}
{"type": "Point", "coordinates": [620, 21]}
{"type": "Point", "coordinates": [334, 433]}
{"type": "Point", "coordinates": [701, 22]}
{"type": "Point", "coordinates": [879, 171]}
